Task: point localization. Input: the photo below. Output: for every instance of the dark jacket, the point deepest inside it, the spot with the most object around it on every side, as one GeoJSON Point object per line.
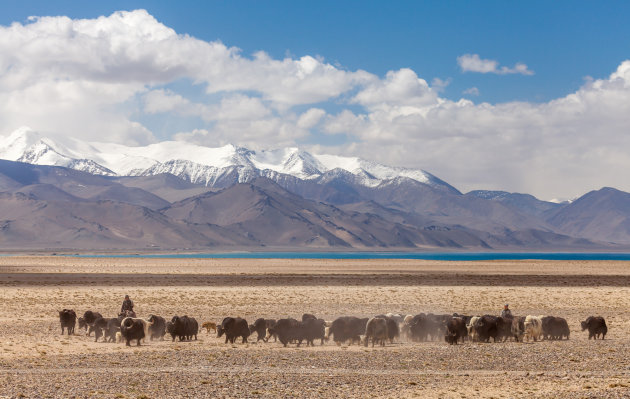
{"type": "Point", "coordinates": [506, 314]}
{"type": "Point", "coordinates": [126, 305]}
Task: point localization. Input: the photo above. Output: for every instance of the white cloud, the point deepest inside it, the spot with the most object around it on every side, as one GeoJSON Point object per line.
{"type": "Point", "coordinates": [109, 61]}
{"type": "Point", "coordinates": [284, 82]}
{"type": "Point", "coordinates": [561, 148]}
{"type": "Point", "coordinates": [253, 133]}
{"type": "Point", "coordinates": [91, 78]}
{"type": "Point", "coordinates": [238, 107]}
{"type": "Point", "coordinates": [472, 91]}
{"type": "Point", "coordinates": [474, 63]}
{"type": "Point", "coordinates": [161, 101]}
{"type": "Point", "coordinates": [439, 85]}
{"type": "Point", "coordinates": [402, 87]}
{"type": "Point", "coordinates": [311, 118]}
{"type": "Point", "coordinates": [232, 106]}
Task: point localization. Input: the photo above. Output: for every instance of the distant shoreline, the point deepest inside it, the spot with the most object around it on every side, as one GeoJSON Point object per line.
{"type": "Point", "coordinates": [371, 255]}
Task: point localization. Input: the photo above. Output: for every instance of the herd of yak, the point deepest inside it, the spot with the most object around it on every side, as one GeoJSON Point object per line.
{"type": "Point", "coordinates": [377, 330]}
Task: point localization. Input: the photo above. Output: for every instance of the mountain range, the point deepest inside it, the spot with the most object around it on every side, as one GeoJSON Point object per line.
{"type": "Point", "coordinates": [75, 195]}
{"type": "Point", "coordinates": [212, 167]}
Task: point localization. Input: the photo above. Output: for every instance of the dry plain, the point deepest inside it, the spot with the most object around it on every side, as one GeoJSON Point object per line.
{"type": "Point", "coordinates": [36, 361]}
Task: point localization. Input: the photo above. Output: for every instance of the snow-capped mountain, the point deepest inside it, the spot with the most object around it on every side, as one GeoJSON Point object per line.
{"type": "Point", "coordinates": [25, 145]}
{"type": "Point", "coordinates": [213, 167]}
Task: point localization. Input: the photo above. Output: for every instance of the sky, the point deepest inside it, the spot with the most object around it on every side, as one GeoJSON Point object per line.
{"type": "Point", "coordinates": [529, 97]}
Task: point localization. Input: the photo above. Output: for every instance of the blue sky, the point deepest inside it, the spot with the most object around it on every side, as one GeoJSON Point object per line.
{"type": "Point", "coordinates": [561, 41]}
{"type": "Point", "coordinates": [519, 96]}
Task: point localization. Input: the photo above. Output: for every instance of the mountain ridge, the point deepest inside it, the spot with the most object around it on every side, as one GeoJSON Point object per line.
{"type": "Point", "coordinates": [197, 164]}
{"type": "Point", "coordinates": [55, 207]}
{"type": "Point", "coordinates": [280, 198]}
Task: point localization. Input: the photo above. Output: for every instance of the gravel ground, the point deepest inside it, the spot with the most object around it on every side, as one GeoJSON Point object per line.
{"type": "Point", "coordinates": [208, 369]}
{"type": "Point", "coordinates": [37, 362]}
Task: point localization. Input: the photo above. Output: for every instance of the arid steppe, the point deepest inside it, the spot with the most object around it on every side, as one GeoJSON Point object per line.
{"type": "Point", "coordinates": [36, 361]}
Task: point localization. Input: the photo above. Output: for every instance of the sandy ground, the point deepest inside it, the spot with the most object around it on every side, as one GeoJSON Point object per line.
{"type": "Point", "coordinates": [36, 361]}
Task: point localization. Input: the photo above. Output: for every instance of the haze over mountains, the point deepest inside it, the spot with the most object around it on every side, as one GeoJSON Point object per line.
{"type": "Point", "coordinates": [178, 196]}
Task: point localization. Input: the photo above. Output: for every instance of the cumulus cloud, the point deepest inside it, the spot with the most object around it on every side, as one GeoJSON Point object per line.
{"type": "Point", "coordinates": [310, 118]}
{"type": "Point", "coordinates": [92, 78]}
{"type": "Point", "coordinates": [232, 106]}
{"type": "Point", "coordinates": [72, 69]}
{"type": "Point", "coordinates": [402, 87]}
{"type": "Point", "coordinates": [256, 134]}
{"type": "Point", "coordinates": [566, 146]}
{"type": "Point", "coordinates": [474, 63]}
{"type": "Point", "coordinates": [285, 82]}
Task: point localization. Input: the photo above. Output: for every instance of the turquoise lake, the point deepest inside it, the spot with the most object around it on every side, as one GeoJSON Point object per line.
{"type": "Point", "coordinates": [445, 256]}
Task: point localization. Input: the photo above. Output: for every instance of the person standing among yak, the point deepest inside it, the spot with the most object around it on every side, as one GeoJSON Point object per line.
{"type": "Point", "coordinates": [506, 313]}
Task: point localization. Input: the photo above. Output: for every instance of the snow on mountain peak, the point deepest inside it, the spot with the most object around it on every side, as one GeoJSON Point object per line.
{"type": "Point", "coordinates": [198, 164]}
{"type": "Point", "coordinates": [375, 173]}
{"type": "Point", "coordinates": [14, 146]}
{"type": "Point", "coordinates": [291, 161]}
